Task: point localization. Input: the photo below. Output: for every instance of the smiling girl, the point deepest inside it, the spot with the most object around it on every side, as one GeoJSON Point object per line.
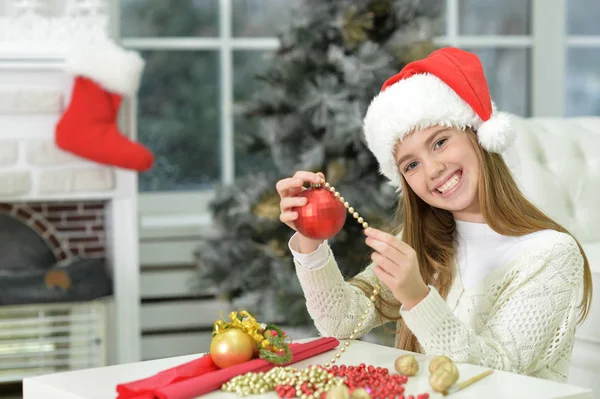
{"type": "Point", "coordinates": [475, 271]}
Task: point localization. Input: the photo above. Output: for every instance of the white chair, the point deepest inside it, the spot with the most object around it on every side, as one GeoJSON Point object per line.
{"type": "Point", "coordinates": [556, 162]}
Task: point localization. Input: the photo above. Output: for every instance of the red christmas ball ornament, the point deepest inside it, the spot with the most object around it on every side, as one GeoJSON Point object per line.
{"type": "Point", "coordinates": [323, 216]}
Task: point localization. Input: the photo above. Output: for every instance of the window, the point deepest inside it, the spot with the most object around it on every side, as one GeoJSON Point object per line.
{"type": "Point", "coordinates": [499, 32]}
{"type": "Point", "coordinates": [582, 89]}
{"type": "Point", "coordinates": [202, 54]}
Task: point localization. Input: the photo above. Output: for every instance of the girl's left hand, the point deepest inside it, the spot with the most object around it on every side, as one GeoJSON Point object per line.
{"type": "Point", "coordinates": [397, 267]}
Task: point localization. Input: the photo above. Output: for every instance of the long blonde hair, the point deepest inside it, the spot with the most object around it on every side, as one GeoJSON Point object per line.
{"type": "Point", "coordinates": [430, 232]}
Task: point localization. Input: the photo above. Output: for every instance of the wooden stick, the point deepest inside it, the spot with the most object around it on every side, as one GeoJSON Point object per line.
{"type": "Point", "coordinates": [464, 384]}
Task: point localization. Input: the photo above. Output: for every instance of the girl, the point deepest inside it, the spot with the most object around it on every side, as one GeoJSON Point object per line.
{"type": "Point", "coordinates": [476, 273]}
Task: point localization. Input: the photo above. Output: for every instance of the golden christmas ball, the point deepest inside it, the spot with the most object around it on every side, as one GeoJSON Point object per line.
{"type": "Point", "coordinates": [436, 361]}
{"type": "Point", "coordinates": [360, 393]}
{"type": "Point", "coordinates": [407, 365]}
{"type": "Point", "coordinates": [231, 347]}
{"type": "Point", "coordinates": [444, 376]}
{"type": "Point", "coordinates": [442, 379]}
{"type": "Point", "coordinates": [338, 392]}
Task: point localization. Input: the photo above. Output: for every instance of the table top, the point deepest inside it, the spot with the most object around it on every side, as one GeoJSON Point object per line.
{"type": "Point", "coordinates": [100, 383]}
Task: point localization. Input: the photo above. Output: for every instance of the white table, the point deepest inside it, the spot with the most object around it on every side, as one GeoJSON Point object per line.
{"type": "Point", "coordinates": [100, 383]}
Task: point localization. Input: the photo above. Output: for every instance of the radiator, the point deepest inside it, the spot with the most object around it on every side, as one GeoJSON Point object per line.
{"type": "Point", "coordinates": [49, 338]}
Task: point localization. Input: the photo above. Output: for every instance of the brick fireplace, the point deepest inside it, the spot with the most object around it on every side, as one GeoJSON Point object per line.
{"type": "Point", "coordinates": [70, 228]}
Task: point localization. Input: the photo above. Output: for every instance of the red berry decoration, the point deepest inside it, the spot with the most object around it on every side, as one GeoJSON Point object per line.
{"type": "Point", "coordinates": [323, 216]}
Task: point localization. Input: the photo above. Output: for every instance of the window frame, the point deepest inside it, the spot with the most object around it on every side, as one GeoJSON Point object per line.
{"type": "Point", "coordinates": [185, 214]}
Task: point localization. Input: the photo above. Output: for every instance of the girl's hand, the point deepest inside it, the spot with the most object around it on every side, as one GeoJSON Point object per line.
{"type": "Point", "coordinates": [288, 190]}
{"type": "Point", "coordinates": [397, 267]}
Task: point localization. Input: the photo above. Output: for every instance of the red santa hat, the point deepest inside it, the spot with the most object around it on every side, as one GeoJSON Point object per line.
{"type": "Point", "coordinates": [448, 88]}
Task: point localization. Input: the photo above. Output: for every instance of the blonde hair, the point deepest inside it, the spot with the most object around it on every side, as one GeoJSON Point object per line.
{"type": "Point", "coordinates": [430, 232]}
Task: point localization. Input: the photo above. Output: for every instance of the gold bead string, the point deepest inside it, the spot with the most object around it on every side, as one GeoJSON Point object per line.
{"type": "Point", "coordinates": [376, 290]}
{"type": "Point", "coordinates": [317, 379]}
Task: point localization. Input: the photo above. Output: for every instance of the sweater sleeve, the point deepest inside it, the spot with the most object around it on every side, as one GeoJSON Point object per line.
{"type": "Point", "coordinates": [529, 326]}
{"type": "Point", "coordinates": [335, 305]}
{"type": "Point", "coordinates": [313, 260]}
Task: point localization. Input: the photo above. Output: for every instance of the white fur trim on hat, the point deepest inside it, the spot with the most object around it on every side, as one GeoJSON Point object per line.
{"type": "Point", "coordinates": [114, 68]}
{"type": "Point", "coordinates": [497, 133]}
{"type": "Point", "coordinates": [419, 102]}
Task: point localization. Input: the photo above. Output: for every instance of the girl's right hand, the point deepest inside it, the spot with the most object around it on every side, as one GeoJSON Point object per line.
{"type": "Point", "coordinates": [288, 190]}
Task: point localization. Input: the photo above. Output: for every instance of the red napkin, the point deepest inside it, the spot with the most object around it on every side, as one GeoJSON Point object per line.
{"type": "Point", "coordinates": [147, 386]}
{"type": "Point", "coordinates": [201, 376]}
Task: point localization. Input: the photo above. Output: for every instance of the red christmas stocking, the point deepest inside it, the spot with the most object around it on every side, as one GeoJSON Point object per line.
{"type": "Point", "coordinates": [104, 74]}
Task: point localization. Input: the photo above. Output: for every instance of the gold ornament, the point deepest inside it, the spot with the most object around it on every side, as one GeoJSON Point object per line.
{"type": "Point", "coordinates": [338, 392]}
{"type": "Point", "coordinates": [449, 367]}
{"type": "Point", "coordinates": [407, 365]}
{"type": "Point", "coordinates": [444, 375]}
{"type": "Point", "coordinates": [443, 378]}
{"type": "Point", "coordinates": [437, 361]}
{"type": "Point", "coordinates": [376, 290]}
{"type": "Point", "coordinates": [271, 347]}
{"type": "Point", "coordinates": [360, 393]}
{"type": "Point", "coordinates": [231, 347]}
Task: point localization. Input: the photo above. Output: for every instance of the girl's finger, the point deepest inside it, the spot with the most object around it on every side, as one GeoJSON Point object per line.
{"type": "Point", "coordinates": [383, 276]}
{"type": "Point", "coordinates": [287, 217]}
{"type": "Point", "coordinates": [308, 177]}
{"type": "Point", "coordinates": [290, 202]}
{"type": "Point", "coordinates": [386, 265]}
{"type": "Point", "coordinates": [389, 239]}
{"type": "Point", "coordinates": [284, 186]}
{"type": "Point", "coordinates": [396, 257]}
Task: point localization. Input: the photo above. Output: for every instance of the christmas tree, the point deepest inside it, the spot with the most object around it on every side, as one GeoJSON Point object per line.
{"type": "Point", "coordinates": [308, 114]}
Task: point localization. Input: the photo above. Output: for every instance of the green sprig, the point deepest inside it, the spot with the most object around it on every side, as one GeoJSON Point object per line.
{"type": "Point", "coordinates": [278, 341]}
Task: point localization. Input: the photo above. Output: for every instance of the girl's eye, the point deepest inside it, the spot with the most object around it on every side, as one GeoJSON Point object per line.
{"type": "Point", "coordinates": [410, 166]}
{"type": "Point", "coordinates": [440, 143]}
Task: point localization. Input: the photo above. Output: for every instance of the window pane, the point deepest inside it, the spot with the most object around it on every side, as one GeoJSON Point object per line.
{"type": "Point", "coordinates": [178, 119]}
{"type": "Point", "coordinates": [493, 17]}
{"type": "Point", "coordinates": [260, 18]}
{"type": "Point", "coordinates": [583, 82]}
{"type": "Point", "coordinates": [160, 18]}
{"type": "Point", "coordinates": [437, 8]}
{"type": "Point", "coordinates": [246, 65]}
{"type": "Point", "coordinates": [583, 17]}
{"type": "Point", "coordinates": [507, 65]}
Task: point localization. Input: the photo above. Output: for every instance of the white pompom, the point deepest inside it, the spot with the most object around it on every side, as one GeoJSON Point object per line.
{"type": "Point", "coordinates": [497, 133]}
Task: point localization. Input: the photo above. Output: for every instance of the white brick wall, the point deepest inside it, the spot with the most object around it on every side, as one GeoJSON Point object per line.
{"type": "Point", "coordinates": [42, 152]}
{"type": "Point", "coordinates": [76, 180]}
{"type": "Point", "coordinates": [14, 183]}
{"type": "Point", "coordinates": [9, 152]}
{"type": "Point", "coordinates": [28, 101]}
{"type": "Point", "coordinates": [33, 168]}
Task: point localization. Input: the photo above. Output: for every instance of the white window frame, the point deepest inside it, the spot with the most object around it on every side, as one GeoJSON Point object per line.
{"type": "Point", "coordinates": [184, 214]}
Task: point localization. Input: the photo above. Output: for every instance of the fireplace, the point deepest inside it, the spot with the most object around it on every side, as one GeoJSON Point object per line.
{"type": "Point", "coordinates": [70, 231]}
{"type": "Point", "coordinates": [52, 252]}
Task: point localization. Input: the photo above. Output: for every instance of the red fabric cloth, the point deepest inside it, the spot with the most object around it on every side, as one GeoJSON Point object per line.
{"type": "Point", "coordinates": [201, 376]}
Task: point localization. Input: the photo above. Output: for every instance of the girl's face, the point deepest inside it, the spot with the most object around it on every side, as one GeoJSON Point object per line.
{"type": "Point", "coordinates": [440, 165]}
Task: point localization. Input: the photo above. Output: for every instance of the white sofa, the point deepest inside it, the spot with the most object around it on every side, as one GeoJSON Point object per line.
{"type": "Point", "coordinates": [556, 162]}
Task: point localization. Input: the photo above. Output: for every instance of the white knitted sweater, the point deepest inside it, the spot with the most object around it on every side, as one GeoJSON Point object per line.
{"type": "Point", "coordinates": [520, 317]}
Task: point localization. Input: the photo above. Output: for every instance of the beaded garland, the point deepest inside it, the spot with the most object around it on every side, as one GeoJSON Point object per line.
{"type": "Point", "coordinates": [376, 290]}
{"type": "Point", "coordinates": [316, 381]}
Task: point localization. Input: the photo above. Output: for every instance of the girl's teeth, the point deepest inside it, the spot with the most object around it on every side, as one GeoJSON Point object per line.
{"type": "Point", "coordinates": [450, 183]}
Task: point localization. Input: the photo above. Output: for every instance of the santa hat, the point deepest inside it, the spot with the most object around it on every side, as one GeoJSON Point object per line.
{"type": "Point", "coordinates": [448, 88]}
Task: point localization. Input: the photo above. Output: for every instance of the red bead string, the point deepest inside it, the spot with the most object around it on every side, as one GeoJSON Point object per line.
{"type": "Point", "coordinates": [377, 381]}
